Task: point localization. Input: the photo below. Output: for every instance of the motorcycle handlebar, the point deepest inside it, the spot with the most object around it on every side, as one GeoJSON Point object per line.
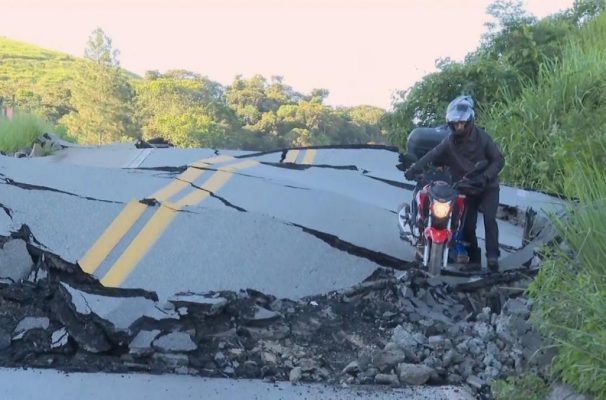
{"type": "Point", "coordinates": [466, 185]}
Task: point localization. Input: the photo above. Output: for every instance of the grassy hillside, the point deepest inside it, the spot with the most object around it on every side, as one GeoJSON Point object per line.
{"type": "Point", "coordinates": [36, 79]}
{"type": "Point", "coordinates": [25, 65]}
{"type": "Point", "coordinates": [39, 79]}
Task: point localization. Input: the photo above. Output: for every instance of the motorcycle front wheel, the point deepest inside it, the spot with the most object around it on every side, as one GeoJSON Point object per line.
{"type": "Point", "coordinates": [436, 254]}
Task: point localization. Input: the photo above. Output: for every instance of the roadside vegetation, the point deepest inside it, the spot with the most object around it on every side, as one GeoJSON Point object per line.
{"type": "Point", "coordinates": [559, 118]}
{"type": "Point", "coordinates": [554, 135]}
{"type": "Point", "coordinates": [19, 132]}
{"type": "Point", "coordinates": [570, 289]}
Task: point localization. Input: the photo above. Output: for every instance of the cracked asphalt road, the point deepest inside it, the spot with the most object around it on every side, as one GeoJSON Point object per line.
{"type": "Point", "coordinates": [220, 222]}
{"type": "Point", "coordinates": [152, 223]}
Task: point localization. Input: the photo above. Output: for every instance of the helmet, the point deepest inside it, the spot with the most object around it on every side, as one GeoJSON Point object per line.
{"type": "Point", "coordinates": [460, 109]}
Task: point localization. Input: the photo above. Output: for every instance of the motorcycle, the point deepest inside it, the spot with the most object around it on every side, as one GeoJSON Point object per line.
{"type": "Point", "coordinates": [432, 222]}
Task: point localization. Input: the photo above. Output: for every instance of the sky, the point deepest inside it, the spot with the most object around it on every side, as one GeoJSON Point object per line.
{"type": "Point", "coordinates": [362, 51]}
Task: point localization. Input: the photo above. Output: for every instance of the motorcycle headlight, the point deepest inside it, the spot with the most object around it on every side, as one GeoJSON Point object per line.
{"type": "Point", "coordinates": [440, 210]}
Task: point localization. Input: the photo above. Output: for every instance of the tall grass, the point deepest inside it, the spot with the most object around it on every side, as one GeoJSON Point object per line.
{"type": "Point", "coordinates": [554, 138]}
{"type": "Point", "coordinates": [21, 131]}
{"type": "Point", "coordinates": [570, 289]}
{"type": "Point", "coordinates": [559, 119]}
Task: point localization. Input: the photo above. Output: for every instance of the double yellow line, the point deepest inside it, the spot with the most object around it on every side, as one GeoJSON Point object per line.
{"type": "Point", "coordinates": [308, 158]}
{"type": "Point", "coordinates": [153, 229]}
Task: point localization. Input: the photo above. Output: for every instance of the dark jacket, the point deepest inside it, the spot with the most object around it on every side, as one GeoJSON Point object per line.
{"type": "Point", "coordinates": [461, 155]}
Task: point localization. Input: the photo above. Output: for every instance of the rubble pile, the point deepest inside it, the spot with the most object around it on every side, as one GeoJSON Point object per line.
{"type": "Point", "coordinates": [395, 328]}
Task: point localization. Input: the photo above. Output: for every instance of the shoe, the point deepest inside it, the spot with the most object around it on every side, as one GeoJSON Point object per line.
{"type": "Point", "coordinates": [475, 255]}
{"type": "Point", "coordinates": [493, 264]}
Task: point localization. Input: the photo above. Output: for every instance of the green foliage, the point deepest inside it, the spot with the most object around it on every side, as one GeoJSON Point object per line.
{"type": "Point", "coordinates": [21, 131]}
{"type": "Point", "coordinates": [99, 49]}
{"type": "Point", "coordinates": [528, 386]}
{"type": "Point", "coordinates": [36, 79]}
{"type": "Point", "coordinates": [425, 103]}
{"type": "Point", "coordinates": [569, 291]}
{"type": "Point", "coordinates": [559, 119]}
{"type": "Point", "coordinates": [585, 10]}
{"type": "Point", "coordinates": [552, 133]}
{"type": "Point", "coordinates": [273, 115]}
{"type": "Point", "coordinates": [101, 97]}
{"type": "Point", "coordinates": [185, 108]}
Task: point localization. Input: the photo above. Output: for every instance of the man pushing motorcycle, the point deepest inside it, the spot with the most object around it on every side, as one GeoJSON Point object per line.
{"type": "Point", "coordinates": [465, 145]}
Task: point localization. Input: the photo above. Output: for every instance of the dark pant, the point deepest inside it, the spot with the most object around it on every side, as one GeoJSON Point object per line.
{"type": "Point", "coordinates": [488, 202]}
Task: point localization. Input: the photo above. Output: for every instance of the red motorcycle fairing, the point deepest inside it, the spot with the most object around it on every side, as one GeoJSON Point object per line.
{"type": "Point", "coordinates": [461, 204]}
{"type": "Point", "coordinates": [438, 236]}
{"type": "Point", "coordinates": [421, 199]}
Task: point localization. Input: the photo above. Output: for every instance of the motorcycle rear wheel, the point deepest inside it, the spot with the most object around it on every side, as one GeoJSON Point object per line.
{"type": "Point", "coordinates": [436, 254]}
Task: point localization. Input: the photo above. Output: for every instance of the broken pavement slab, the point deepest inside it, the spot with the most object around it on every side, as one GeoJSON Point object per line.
{"type": "Point", "coordinates": [29, 323]}
{"type": "Point", "coordinates": [120, 311]}
{"type": "Point", "coordinates": [141, 344]}
{"type": "Point", "coordinates": [206, 304]}
{"type": "Point", "coordinates": [174, 342]}
{"type": "Point", "coordinates": [15, 261]}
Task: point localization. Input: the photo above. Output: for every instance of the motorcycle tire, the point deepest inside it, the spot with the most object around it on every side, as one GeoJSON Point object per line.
{"type": "Point", "coordinates": [436, 254]}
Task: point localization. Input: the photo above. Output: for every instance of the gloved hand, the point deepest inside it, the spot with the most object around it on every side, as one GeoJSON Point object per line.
{"type": "Point", "coordinates": [481, 180]}
{"type": "Point", "coordinates": [473, 185]}
{"type": "Point", "coordinates": [411, 173]}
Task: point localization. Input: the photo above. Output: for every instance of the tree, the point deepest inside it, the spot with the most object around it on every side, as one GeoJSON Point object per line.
{"type": "Point", "coordinates": [185, 108]}
{"type": "Point", "coordinates": [99, 49]}
{"type": "Point", "coordinates": [507, 13]}
{"type": "Point", "coordinates": [101, 96]}
{"type": "Point", "coordinates": [319, 95]}
{"type": "Point", "coordinates": [367, 119]}
{"type": "Point", "coordinates": [248, 98]}
{"type": "Point", "coordinates": [584, 10]}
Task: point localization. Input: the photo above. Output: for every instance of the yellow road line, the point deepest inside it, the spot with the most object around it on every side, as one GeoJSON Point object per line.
{"type": "Point", "coordinates": [213, 184]}
{"type": "Point", "coordinates": [138, 247]}
{"type": "Point", "coordinates": [186, 177]}
{"type": "Point", "coordinates": [111, 236]}
{"type": "Point", "coordinates": [180, 183]}
{"type": "Point", "coordinates": [291, 156]}
{"type": "Point", "coordinates": [152, 231]}
{"type": "Point", "coordinates": [209, 161]}
{"type": "Point", "coordinates": [310, 154]}
{"type": "Point", "coordinates": [120, 226]}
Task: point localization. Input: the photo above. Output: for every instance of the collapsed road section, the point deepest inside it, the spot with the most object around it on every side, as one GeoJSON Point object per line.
{"type": "Point", "coordinates": [396, 328]}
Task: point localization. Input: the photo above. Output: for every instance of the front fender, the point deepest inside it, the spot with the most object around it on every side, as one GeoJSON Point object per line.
{"type": "Point", "coordinates": [438, 236]}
